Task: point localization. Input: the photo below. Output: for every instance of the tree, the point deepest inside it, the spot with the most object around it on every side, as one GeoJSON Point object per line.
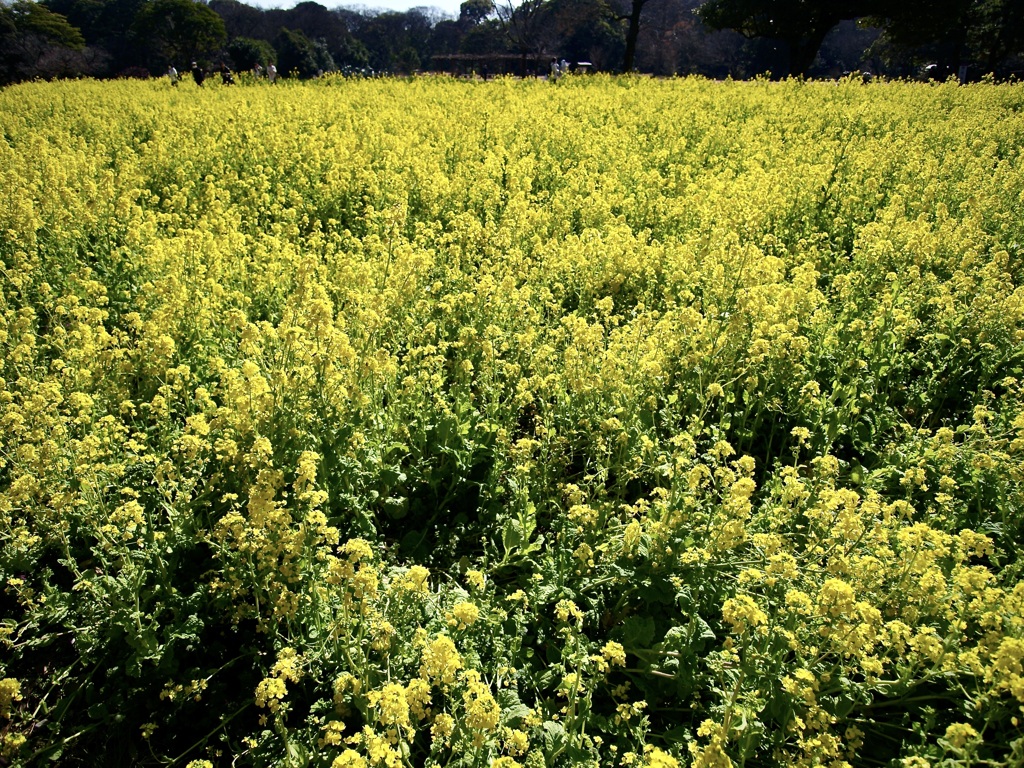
{"type": "Point", "coordinates": [326, 28]}
{"type": "Point", "coordinates": [846, 49]}
{"type": "Point", "coordinates": [951, 32]}
{"type": "Point", "coordinates": [179, 31]}
{"type": "Point", "coordinates": [486, 37]}
{"type": "Point", "coordinates": [446, 36]}
{"type": "Point", "coordinates": [389, 36]}
{"type": "Point", "coordinates": [944, 32]}
{"type": "Point", "coordinates": [996, 33]}
{"type": "Point", "coordinates": [297, 53]}
{"type": "Point", "coordinates": [636, 9]}
{"type": "Point", "coordinates": [473, 12]}
{"type": "Point", "coordinates": [107, 28]}
{"type": "Point", "coordinates": [524, 25]}
{"type": "Point", "coordinates": [668, 31]}
{"type": "Point", "coordinates": [247, 52]}
{"type": "Point", "coordinates": [323, 27]}
{"type": "Point", "coordinates": [407, 61]}
{"type": "Point", "coordinates": [242, 20]}
{"type": "Point", "coordinates": [350, 54]}
{"type": "Point", "coordinates": [587, 30]}
{"type": "Point", "coordinates": [800, 24]}
{"type": "Point", "coordinates": [30, 36]}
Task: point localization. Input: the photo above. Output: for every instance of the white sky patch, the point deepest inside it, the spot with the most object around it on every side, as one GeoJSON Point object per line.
{"type": "Point", "coordinates": [448, 8]}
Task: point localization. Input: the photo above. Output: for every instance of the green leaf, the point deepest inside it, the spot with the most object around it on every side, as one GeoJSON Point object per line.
{"type": "Point", "coordinates": [638, 632]}
{"type": "Point", "coordinates": [681, 734]}
{"type": "Point", "coordinates": [552, 738]}
{"type": "Point", "coordinates": [396, 507]}
{"type": "Point", "coordinates": [508, 698]}
{"type": "Point", "coordinates": [512, 536]}
{"type": "Point", "coordinates": [512, 714]}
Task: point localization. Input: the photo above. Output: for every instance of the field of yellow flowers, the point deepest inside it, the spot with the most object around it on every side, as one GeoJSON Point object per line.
{"type": "Point", "coordinates": [612, 422]}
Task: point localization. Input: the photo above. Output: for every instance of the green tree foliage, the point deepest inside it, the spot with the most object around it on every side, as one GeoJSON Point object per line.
{"type": "Point", "coordinates": [997, 32]}
{"type": "Point", "coordinates": [714, 38]}
{"type": "Point", "coordinates": [179, 31]}
{"type": "Point", "coordinates": [297, 54]}
{"type": "Point", "coordinates": [487, 37]}
{"type": "Point", "coordinates": [106, 26]}
{"type": "Point", "coordinates": [388, 35]}
{"type": "Point", "coordinates": [408, 60]}
{"type": "Point", "coordinates": [32, 37]}
{"type": "Point", "coordinates": [350, 53]}
{"type": "Point", "coordinates": [474, 12]}
{"type": "Point", "coordinates": [587, 30]}
{"type": "Point", "coordinates": [446, 36]}
{"type": "Point", "coordinates": [241, 20]}
{"type": "Point", "coordinates": [247, 52]}
{"type": "Point", "coordinates": [330, 29]}
{"type": "Point", "coordinates": [985, 33]}
{"type": "Point", "coordinates": [801, 24]}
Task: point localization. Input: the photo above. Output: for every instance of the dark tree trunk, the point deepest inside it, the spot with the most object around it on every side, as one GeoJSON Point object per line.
{"type": "Point", "coordinates": [632, 34]}
{"type": "Point", "coordinates": [804, 50]}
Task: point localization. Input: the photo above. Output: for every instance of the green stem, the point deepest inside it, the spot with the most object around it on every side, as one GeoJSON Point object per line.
{"type": "Point", "coordinates": [218, 727]}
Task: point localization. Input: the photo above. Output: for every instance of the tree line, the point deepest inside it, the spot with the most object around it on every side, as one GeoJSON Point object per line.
{"type": "Point", "coordinates": [714, 38]}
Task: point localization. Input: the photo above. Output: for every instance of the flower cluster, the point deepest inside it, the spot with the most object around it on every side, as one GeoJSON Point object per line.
{"type": "Point", "coordinates": [370, 422]}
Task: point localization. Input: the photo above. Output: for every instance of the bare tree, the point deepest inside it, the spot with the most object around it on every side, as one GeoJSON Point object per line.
{"type": "Point", "coordinates": [524, 26]}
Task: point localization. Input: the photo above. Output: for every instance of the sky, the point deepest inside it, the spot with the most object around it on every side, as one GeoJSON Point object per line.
{"type": "Point", "coordinates": [448, 7]}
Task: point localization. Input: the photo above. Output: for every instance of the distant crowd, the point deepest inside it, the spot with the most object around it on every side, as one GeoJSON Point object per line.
{"type": "Point", "coordinates": [226, 75]}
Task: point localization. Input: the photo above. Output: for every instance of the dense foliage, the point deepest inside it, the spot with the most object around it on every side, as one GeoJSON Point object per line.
{"type": "Point", "coordinates": [921, 39]}
{"type": "Point", "coordinates": [983, 32]}
{"type": "Point", "coordinates": [610, 422]}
